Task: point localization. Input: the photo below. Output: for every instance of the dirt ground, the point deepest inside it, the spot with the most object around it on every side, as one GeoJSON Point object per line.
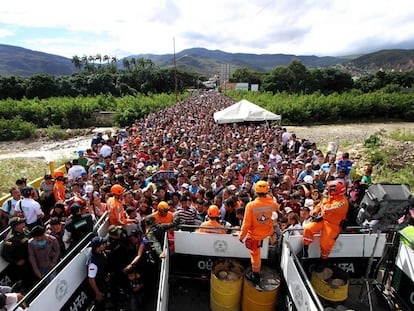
{"type": "Point", "coordinates": [350, 134]}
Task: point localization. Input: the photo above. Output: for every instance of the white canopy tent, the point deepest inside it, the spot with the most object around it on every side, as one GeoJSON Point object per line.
{"type": "Point", "coordinates": [244, 111]}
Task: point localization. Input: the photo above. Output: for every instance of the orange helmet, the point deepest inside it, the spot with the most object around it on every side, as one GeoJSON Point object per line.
{"type": "Point", "coordinates": [261, 187]}
{"type": "Point", "coordinates": [336, 187]}
{"type": "Point", "coordinates": [117, 189]}
{"type": "Point", "coordinates": [58, 173]}
{"type": "Point", "coordinates": [213, 211]}
{"type": "Point", "coordinates": [163, 206]}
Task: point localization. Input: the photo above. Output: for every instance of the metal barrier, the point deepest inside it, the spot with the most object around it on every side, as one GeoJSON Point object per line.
{"type": "Point", "coordinates": [163, 288]}
{"type": "Point", "coordinates": [301, 291]}
{"type": "Point", "coordinates": [37, 298]}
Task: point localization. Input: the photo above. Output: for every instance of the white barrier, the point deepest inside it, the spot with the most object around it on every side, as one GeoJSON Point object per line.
{"type": "Point", "coordinates": [212, 244]}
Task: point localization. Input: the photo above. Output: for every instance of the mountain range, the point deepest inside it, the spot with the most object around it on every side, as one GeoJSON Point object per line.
{"type": "Point", "coordinates": [19, 61]}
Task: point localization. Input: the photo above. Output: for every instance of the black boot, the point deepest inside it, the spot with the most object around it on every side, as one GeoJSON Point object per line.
{"type": "Point", "coordinates": [253, 277]}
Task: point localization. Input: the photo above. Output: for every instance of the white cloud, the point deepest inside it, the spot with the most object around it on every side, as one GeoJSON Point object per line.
{"type": "Point", "coordinates": [5, 33]}
{"type": "Point", "coordinates": [320, 27]}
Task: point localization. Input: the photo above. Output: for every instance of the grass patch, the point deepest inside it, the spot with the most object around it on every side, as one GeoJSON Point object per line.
{"type": "Point", "coordinates": [402, 135]}
{"type": "Point", "coordinates": [402, 176]}
{"type": "Point", "coordinates": [13, 169]}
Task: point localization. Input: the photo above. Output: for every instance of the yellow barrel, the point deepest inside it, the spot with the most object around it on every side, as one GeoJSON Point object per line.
{"type": "Point", "coordinates": [261, 297]}
{"type": "Point", "coordinates": [331, 283]}
{"type": "Point", "coordinates": [226, 285]}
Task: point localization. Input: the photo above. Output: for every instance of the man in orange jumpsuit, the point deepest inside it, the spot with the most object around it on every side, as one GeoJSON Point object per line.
{"type": "Point", "coordinates": [163, 214]}
{"type": "Point", "coordinates": [212, 223]}
{"type": "Point", "coordinates": [116, 210]}
{"type": "Point", "coordinates": [328, 216]}
{"type": "Point", "coordinates": [59, 189]}
{"type": "Point", "coordinates": [257, 225]}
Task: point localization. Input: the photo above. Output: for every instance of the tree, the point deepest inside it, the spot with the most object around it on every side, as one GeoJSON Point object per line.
{"type": "Point", "coordinates": [98, 57]}
{"type": "Point", "coordinates": [299, 72]}
{"type": "Point", "coordinates": [106, 59]}
{"type": "Point", "coordinates": [278, 80]}
{"type": "Point", "coordinates": [246, 75]}
{"type": "Point", "coordinates": [77, 61]}
{"type": "Point", "coordinates": [125, 63]}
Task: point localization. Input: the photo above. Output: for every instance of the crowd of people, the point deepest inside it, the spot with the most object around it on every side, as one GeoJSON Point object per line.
{"type": "Point", "coordinates": [175, 166]}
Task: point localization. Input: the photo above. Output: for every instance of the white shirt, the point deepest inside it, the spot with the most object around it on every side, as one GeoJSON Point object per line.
{"type": "Point", "coordinates": [5, 206]}
{"type": "Point", "coordinates": [11, 301]}
{"type": "Point", "coordinates": [106, 151]}
{"type": "Point", "coordinates": [30, 208]}
{"type": "Point", "coordinates": [75, 171]}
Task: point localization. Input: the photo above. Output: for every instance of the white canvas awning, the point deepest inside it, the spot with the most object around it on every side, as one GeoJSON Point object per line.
{"type": "Point", "coordinates": [244, 111]}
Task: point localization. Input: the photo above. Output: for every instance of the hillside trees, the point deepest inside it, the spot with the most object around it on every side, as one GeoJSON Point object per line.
{"type": "Point", "coordinates": [246, 75]}
{"type": "Point", "coordinates": [297, 79]}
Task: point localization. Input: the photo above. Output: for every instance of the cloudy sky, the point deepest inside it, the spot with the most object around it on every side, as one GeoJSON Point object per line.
{"type": "Point", "coordinates": [130, 27]}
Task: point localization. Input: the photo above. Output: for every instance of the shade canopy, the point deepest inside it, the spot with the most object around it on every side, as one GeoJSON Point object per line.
{"type": "Point", "coordinates": [244, 111]}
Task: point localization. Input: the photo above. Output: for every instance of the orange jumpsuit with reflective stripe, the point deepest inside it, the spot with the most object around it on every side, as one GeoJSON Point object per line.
{"type": "Point", "coordinates": [212, 223]}
{"type": "Point", "coordinates": [117, 213]}
{"type": "Point", "coordinates": [257, 225]}
{"type": "Point", "coordinates": [59, 191]}
{"type": "Point", "coordinates": [333, 210]}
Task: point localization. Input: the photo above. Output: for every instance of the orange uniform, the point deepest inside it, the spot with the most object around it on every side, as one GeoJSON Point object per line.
{"type": "Point", "coordinates": [117, 213]}
{"type": "Point", "coordinates": [59, 191]}
{"type": "Point", "coordinates": [257, 225]}
{"type": "Point", "coordinates": [212, 223]}
{"type": "Point", "coordinates": [333, 210]}
{"type": "Point", "coordinates": [163, 219]}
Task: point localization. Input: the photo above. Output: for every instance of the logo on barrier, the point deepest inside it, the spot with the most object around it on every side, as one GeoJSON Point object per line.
{"type": "Point", "coordinates": [61, 289]}
{"type": "Point", "coordinates": [347, 267]}
{"type": "Point", "coordinates": [337, 247]}
{"type": "Point", "coordinates": [220, 246]}
{"type": "Point", "coordinates": [298, 295]}
{"type": "Point", "coordinates": [5, 281]}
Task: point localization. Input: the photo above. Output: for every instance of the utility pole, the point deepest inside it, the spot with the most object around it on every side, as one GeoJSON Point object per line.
{"type": "Point", "coordinates": [175, 75]}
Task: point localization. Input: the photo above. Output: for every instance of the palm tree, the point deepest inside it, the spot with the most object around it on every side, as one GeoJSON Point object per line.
{"type": "Point", "coordinates": [141, 62]}
{"type": "Point", "coordinates": [133, 62]}
{"type": "Point", "coordinates": [125, 63]}
{"type": "Point", "coordinates": [98, 57]}
{"type": "Point", "coordinates": [84, 60]}
{"type": "Point", "coordinates": [148, 63]}
{"type": "Point", "coordinates": [91, 59]}
{"type": "Point", "coordinates": [114, 62]}
{"type": "Point", "coordinates": [77, 62]}
{"type": "Point", "coordinates": [106, 58]}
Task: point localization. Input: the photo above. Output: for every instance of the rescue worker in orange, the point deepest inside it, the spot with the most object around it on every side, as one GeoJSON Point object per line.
{"type": "Point", "coordinates": [212, 225]}
{"type": "Point", "coordinates": [59, 189]}
{"type": "Point", "coordinates": [163, 215]}
{"type": "Point", "coordinates": [117, 215]}
{"type": "Point", "coordinates": [328, 217]}
{"type": "Point", "coordinates": [257, 225]}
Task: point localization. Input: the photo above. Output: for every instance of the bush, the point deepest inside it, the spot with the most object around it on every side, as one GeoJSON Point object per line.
{"type": "Point", "coordinates": [372, 141]}
{"type": "Point", "coordinates": [16, 129]}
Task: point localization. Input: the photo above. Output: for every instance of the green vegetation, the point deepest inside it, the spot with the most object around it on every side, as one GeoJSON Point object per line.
{"type": "Point", "coordinates": [317, 108]}
{"type": "Point", "coordinates": [71, 113]}
{"type": "Point", "coordinates": [12, 169]}
{"type": "Point", "coordinates": [403, 176]}
{"type": "Point", "coordinates": [16, 129]}
{"type": "Point", "coordinates": [402, 135]}
{"type": "Point", "coordinates": [387, 159]}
